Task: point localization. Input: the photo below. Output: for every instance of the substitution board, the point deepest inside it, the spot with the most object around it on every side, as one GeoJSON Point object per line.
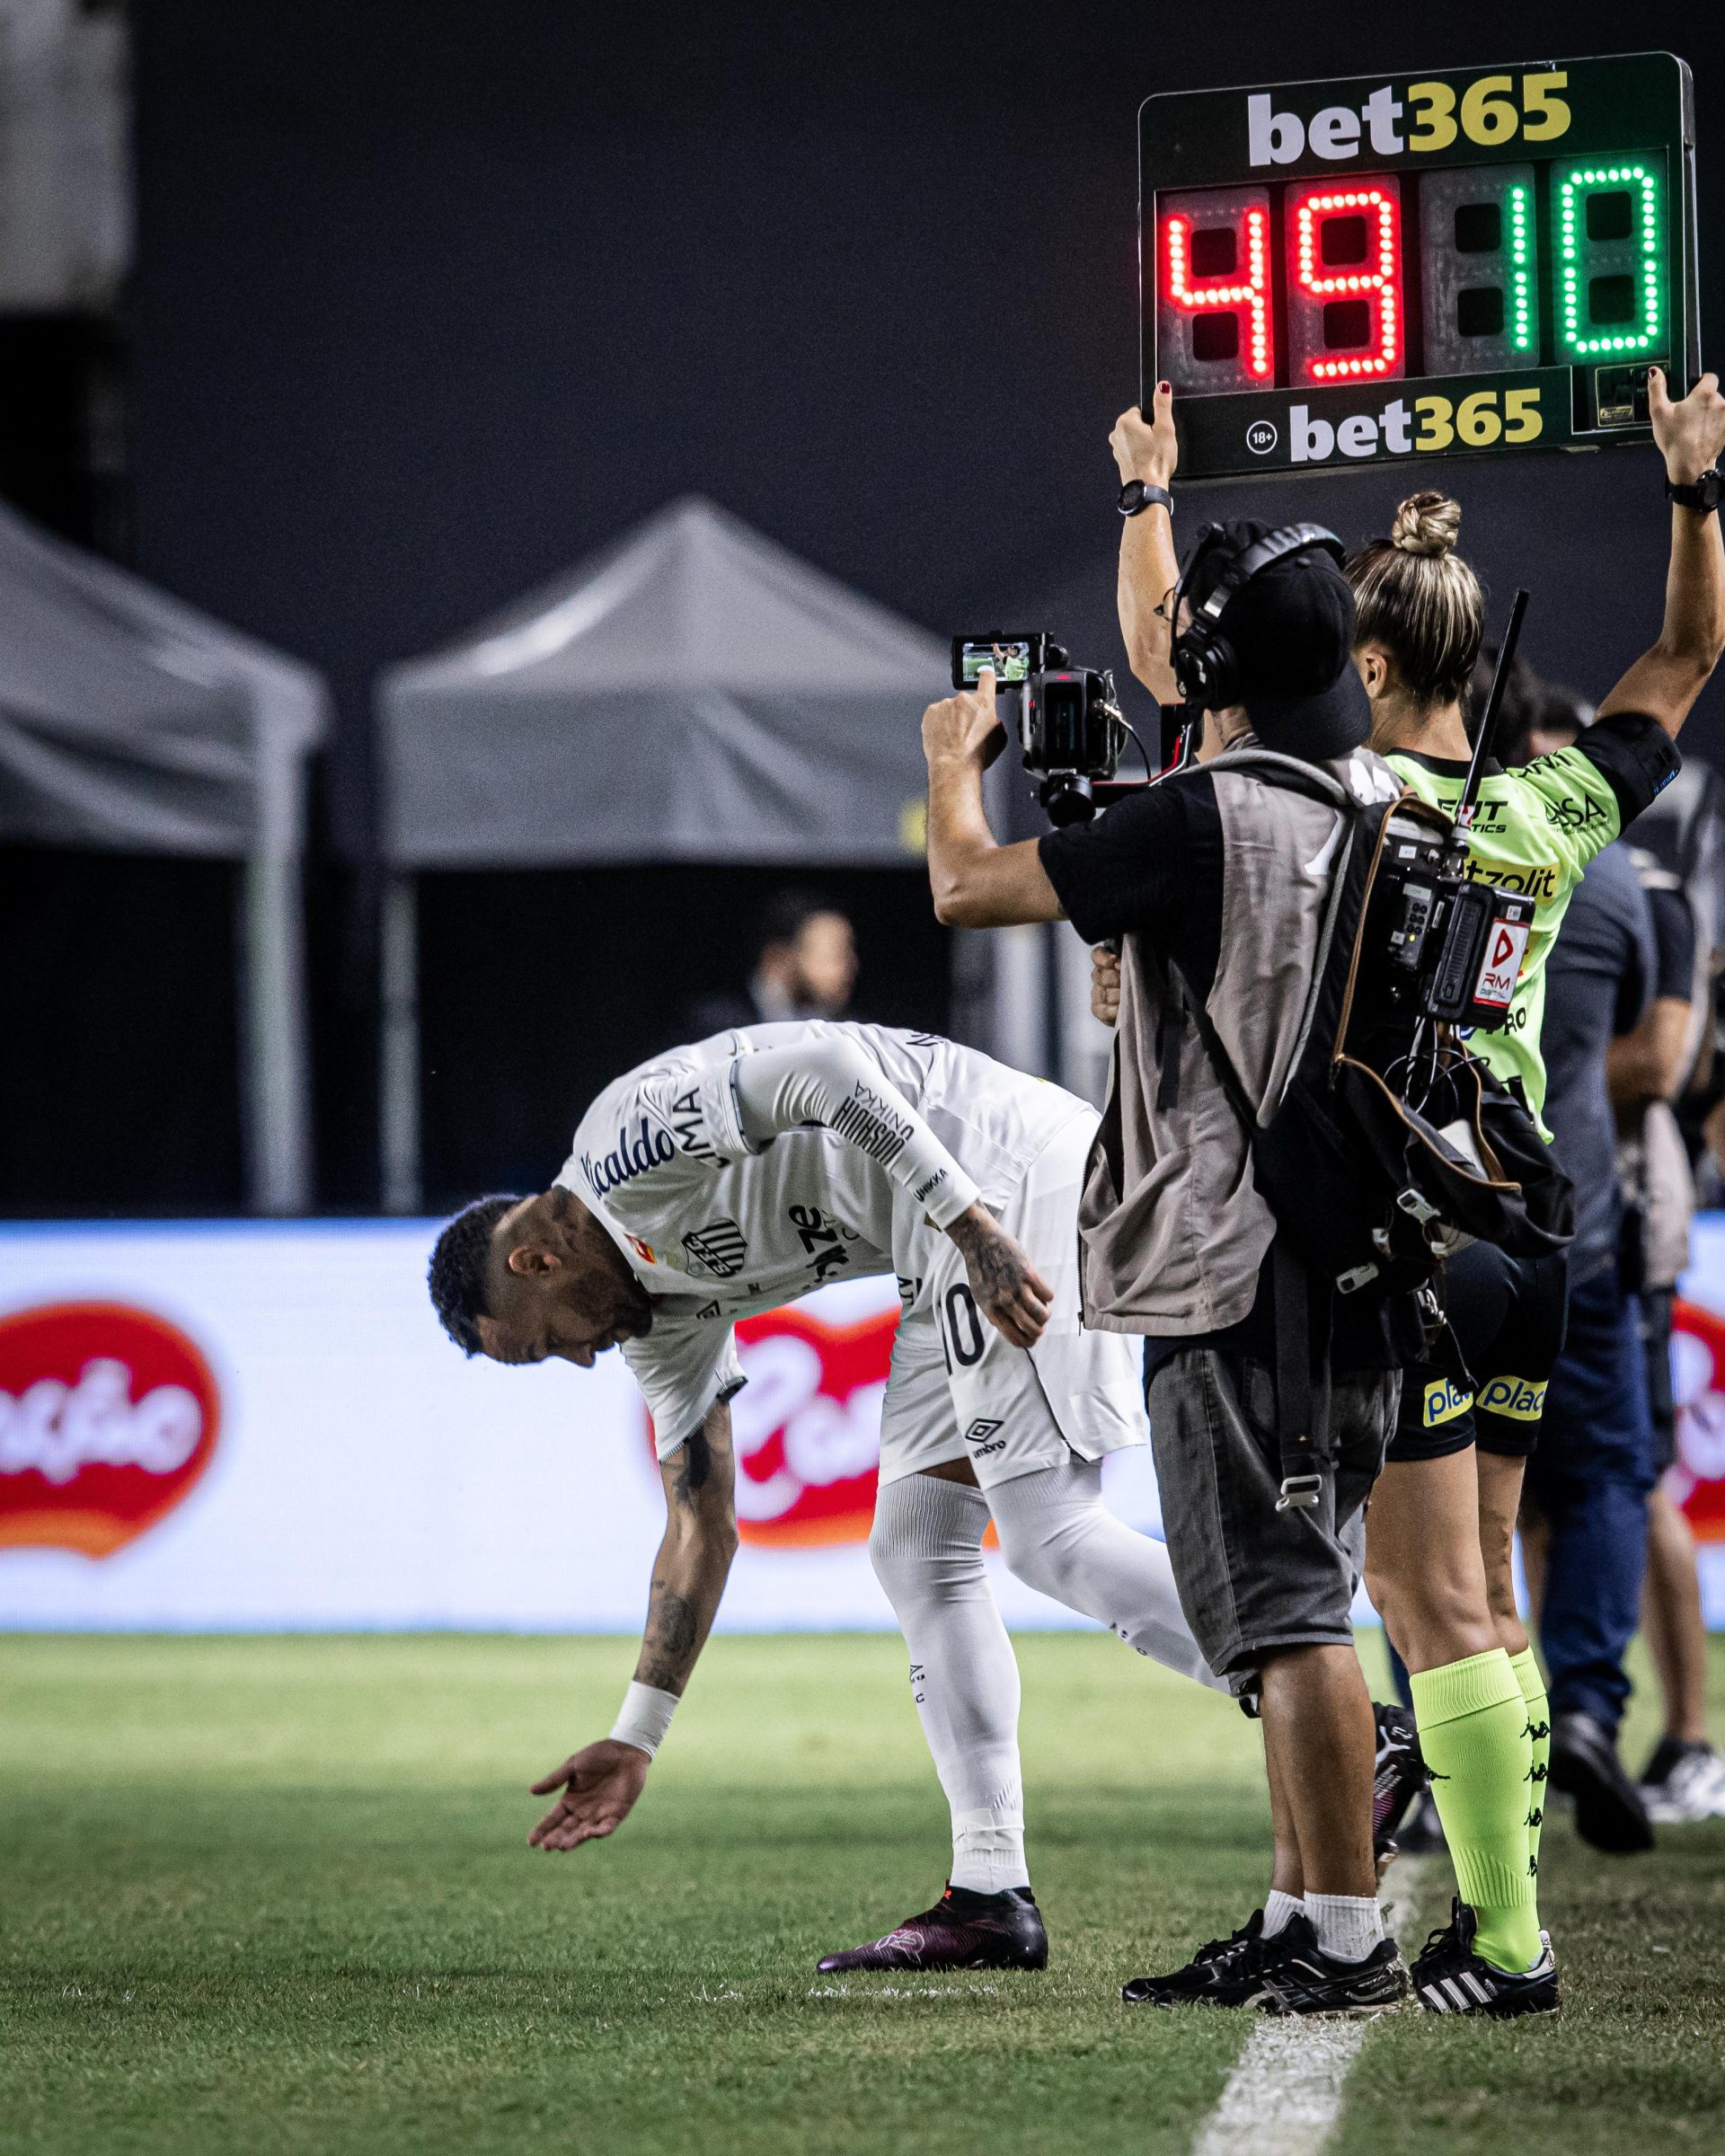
{"type": "Point", "coordinates": [1488, 259]}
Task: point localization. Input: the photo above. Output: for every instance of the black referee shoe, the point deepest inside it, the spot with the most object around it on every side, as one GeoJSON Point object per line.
{"type": "Point", "coordinates": [1450, 1978]}
{"type": "Point", "coordinates": [1224, 1972]}
{"type": "Point", "coordinates": [1301, 1978]}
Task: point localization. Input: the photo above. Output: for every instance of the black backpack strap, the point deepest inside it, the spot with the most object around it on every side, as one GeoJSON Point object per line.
{"type": "Point", "coordinates": [1303, 1461]}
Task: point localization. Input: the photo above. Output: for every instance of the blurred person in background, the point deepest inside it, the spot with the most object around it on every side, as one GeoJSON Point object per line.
{"type": "Point", "coordinates": [1649, 1070]}
{"type": "Point", "coordinates": [805, 967]}
{"type": "Point", "coordinates": [1591, 1472]}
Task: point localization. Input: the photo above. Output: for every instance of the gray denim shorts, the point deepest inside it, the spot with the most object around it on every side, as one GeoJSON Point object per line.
{"type": "Point", "coordinates": [1252, 1579]}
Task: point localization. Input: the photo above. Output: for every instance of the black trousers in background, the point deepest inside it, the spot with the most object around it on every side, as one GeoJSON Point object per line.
{"type": "Point", "coordinates": [1590, 1477]}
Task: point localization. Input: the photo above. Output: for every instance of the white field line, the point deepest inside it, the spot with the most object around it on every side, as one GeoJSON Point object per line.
{"type": "Point", "coordinates": [1284, 2095]}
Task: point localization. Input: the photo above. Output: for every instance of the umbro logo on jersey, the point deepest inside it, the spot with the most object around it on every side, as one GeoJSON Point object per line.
{"type": "Point", "coordinates": [720, 1248]}
{"type": "Point", "coordinates": [706, 1312]}
{"type": "Point", "coordinates": [984, 1426]}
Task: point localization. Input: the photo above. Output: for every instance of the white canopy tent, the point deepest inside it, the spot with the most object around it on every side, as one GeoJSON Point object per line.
{"type": "Point", "coordinates": [130, 721]}
{"type": "Point", "coordinates": [694, 693]}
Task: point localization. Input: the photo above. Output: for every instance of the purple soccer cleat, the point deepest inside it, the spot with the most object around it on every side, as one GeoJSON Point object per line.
{"type": "Point", "coordinates": [963, 1930]}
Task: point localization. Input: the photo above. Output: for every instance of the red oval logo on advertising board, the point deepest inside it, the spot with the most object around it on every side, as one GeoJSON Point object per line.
{"type": "Point", "coordinates": [108, 1416]}
{"type": "Point", "coordinates": [1697, 1480]}
{"type": "Point", "coordinates": [806, 1427]}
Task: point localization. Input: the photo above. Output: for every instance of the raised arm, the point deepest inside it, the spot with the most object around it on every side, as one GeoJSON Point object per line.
{"type": "Point", "coordinates": [1149, 566]}
{"type": "Point", "coordinates": [826, 1079]}
{"type": "Point", "coordinates": [1665, 680]}
{"type": "Point", "coordinates": [601, 1782]}
{"type": "Point", "coordinates": [975, 883]}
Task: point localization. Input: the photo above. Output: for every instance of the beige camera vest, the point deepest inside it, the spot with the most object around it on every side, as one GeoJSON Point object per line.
{"type": "Point", "coordinates": [1171, 1229]}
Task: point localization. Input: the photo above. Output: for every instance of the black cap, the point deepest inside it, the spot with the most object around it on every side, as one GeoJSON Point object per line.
{"type": "Point", "coordinates": [1292, 629]}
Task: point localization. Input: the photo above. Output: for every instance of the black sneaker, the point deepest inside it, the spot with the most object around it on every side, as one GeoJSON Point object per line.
{"type": "Point", "coordinates": [963, 1930]}
{"type": "Point", "coordinates": [1301, 1978]}
{"type": "Point", "coordinates": [1450, 1978]}
{"type": "Point", "coordinates": [1609, 1813]}
{"type": "Point", "coordinates": [1400, 1776]}
{"type": "Point", "coordinates": [1224, 1972]}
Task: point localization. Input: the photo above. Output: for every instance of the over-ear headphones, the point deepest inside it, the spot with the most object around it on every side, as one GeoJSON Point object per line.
{"type": "Point", "coordinates": [1206, 663]}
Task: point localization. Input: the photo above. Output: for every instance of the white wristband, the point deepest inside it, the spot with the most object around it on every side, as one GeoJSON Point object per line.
{"type": "Point", "coordinates": [645, 1718]}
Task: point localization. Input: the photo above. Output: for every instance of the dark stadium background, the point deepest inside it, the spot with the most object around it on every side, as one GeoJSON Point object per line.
{"type": "Point", "coordinates": [431, 299]}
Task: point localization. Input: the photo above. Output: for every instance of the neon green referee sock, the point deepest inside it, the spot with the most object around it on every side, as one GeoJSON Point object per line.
{"type": "Point", "coordinates": [1473, 1723]}
{"type": "Point", "coordinates": [1526, 1666]}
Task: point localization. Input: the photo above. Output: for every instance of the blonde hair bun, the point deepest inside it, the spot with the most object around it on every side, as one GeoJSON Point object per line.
{"type": "Point", "coordinates": [1426, 524]}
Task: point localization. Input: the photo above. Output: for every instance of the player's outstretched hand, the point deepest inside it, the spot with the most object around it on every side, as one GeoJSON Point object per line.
{"type": "Point", "coordinates": [1009, 1291]}
{"type": "Point", "coordinates": [600, 1785]}
{"type": "Point", "coordinates": [1105, 985]}
{"type": "Point", "coordinates": [1692, 432]}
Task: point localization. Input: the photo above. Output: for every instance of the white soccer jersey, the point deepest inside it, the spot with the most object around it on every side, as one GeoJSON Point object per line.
{"type": "Point", "coordinates": [716, 1230]}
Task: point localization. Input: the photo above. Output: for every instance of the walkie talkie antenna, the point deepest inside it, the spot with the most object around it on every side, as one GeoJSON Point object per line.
{"type": "Point", "coordinates": [1485, 740]}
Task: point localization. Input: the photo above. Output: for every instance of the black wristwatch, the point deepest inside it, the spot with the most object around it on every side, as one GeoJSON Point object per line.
{"type": "Point", "coordinates": [1704, 497]}
{"type": "Point", "coordinates": [1138, 494]}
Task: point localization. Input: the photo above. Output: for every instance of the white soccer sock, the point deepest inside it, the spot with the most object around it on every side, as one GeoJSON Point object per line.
{"type": "Point", "coordinates": [1347, 1925]}
{"type": "Point", "coordinates": [1278, 1908]}
{"type": "Point", "coordinates": [1059, 1536]}
{"type": "Point", "coordinates": [926, 1552]}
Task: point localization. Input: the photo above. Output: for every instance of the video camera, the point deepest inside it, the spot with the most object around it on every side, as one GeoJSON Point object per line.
{"type": "Point", "coordinates": [1071, 729]}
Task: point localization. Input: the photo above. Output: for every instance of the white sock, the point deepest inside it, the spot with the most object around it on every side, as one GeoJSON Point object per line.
{"type": "Point", "coordinates": [1278, 1908]}
{"type": "Point", "coordinates": [1347, 1925]}
{"type": "Point", "coordinates": [926, 1552]}
{"type": "Point", "coordinates": [1059, 1536]}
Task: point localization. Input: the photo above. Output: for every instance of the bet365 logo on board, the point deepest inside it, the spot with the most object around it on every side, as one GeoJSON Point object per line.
{"type": "Point", "coordinates": [1432, 425]}
{"type": "Point", "coordinates": [1490, 110]}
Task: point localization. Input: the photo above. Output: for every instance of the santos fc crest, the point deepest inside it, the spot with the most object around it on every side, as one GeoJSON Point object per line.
{"type": "Point", "coordinates": [720, 1248]}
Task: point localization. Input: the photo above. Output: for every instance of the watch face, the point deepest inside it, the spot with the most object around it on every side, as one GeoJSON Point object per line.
{"type": "Point", "coordinates": [1132, 495]}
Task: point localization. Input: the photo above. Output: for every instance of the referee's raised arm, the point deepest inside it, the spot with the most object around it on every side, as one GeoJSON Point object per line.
{"type": "Point", "coordinates": [1664, 682]}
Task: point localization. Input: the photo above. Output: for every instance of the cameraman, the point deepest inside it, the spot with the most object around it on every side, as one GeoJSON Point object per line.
{"type": "Point", "coordinates": [1222, 876]}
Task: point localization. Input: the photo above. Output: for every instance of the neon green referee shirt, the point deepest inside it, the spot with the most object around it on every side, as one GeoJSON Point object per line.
{"type": "Point", "coordinates": [1535, 830]}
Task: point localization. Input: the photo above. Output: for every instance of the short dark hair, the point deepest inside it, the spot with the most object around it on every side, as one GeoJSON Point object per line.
{"type": "Point", "coordinates": [786, 915]}
{"type": "Point", "coordinates": [459, 1273]}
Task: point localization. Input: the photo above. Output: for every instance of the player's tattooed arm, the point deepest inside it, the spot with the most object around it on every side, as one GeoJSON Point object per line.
{"type": "Point", "coordinates": [594, 1790]}
{"type": "Point", "coordinates": [694, 1560]}
{"type": "Point", "coordinates": [1008, 1289]}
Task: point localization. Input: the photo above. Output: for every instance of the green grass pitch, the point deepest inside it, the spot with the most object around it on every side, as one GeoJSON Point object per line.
{"type": "Point", "coordinates": [271, 1894]}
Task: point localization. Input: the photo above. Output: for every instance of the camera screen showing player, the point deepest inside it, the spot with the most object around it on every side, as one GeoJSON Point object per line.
{"type": "Point", "coordinates": [1012, 658]}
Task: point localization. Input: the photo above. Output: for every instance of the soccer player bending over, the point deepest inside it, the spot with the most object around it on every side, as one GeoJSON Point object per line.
{"type": "Point", "coordinates": [731, 1177]}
